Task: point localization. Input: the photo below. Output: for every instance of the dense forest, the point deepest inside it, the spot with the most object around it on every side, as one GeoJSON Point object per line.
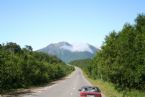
{"type": "Point", "coordinates": [23, 67]}
{"type": "Point", "coordinates": [121, 59]}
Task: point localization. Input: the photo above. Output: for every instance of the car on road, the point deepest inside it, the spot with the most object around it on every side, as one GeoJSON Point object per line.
{"type": "Point", "coordinates": [90, 91]}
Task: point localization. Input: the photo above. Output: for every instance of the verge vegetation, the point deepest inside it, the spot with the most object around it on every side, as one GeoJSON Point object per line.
{"type": "Point", "coordinates": [23, 67]}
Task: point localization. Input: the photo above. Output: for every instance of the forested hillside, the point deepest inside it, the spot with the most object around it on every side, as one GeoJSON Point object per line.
{"type": "Point", "coordinates": [23, 67]}
{"type": "Point", "coordinates": [121, 59]}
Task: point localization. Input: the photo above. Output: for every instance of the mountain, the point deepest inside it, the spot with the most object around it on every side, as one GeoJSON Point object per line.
{"type": "Point", "coordinates": [70, 52]}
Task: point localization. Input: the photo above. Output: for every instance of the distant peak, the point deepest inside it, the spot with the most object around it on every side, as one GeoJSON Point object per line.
{"type": "Point", "coordinates": [70, 51]}
{"type": "Point", "coordinates": [75, 47]}
{"type": "Point", "coordinates": [59, 44]}
{"type": "Point", "coordinates": [63, 43]}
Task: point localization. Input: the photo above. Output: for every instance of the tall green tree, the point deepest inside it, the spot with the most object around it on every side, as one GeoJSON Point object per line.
{"type": "Point", "coordinates": [121, 59]}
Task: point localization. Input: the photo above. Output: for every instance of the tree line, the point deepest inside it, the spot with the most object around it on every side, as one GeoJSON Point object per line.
{"type": "Point", "coordinates": [121, 59]}
{"type": "Point", "coordinates": [84, 64]}
{"type": "Point", "coordinates": [23, 67]}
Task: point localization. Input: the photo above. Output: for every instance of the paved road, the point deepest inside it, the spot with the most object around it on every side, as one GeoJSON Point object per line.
{"type": "Point", "coordinates": [67, 87]}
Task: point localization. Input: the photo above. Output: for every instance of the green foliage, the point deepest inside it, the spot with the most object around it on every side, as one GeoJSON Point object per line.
{"type": "Point", "coordinates": [24, 67]}
{"type": "Point", "coordinates": [121, 59]}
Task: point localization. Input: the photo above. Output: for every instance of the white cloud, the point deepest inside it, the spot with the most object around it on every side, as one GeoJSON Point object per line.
{"type": "Point", "coordinates": [78, 47]}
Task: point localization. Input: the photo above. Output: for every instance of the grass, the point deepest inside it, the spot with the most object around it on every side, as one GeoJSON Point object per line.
{"type": "Point", "coordinates": [109, 89]}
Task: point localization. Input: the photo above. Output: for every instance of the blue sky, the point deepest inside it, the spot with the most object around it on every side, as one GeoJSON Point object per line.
{"type": "Point", "coordinates": [41, 22]}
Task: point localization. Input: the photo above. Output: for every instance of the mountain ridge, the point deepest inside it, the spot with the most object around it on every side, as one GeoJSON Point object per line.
{"type": "Point", "coordinates": [69, 52]}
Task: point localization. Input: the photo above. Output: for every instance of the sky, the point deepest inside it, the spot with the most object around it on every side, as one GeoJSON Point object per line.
{"type": "Point", "coordinates": [41, 22]}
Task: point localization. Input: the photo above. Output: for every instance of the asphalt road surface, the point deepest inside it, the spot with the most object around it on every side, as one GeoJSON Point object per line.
{"type": "Point", "coordinates": [67, 87]}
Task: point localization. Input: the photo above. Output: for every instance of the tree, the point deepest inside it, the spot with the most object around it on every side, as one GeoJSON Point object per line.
{"type": "Point", "coordinates": [12, 47]}
{"type": "Point", "coordinates": [29, 48]}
